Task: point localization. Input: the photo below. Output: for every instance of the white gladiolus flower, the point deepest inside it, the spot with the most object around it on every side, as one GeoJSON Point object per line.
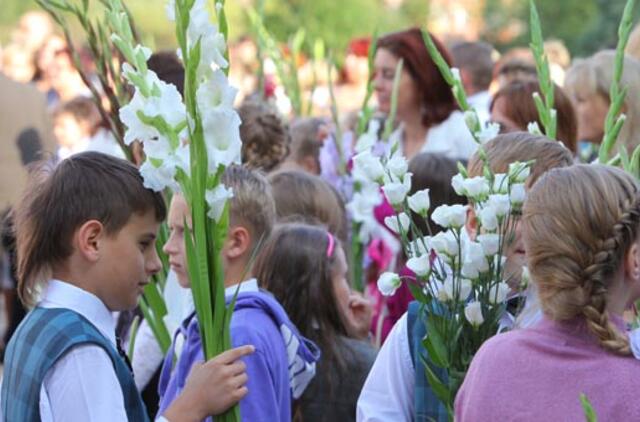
{"type": "Point", "coordinates": [221, 130]}
{"type": "Point", "coordinates": [490, 131]}
{"type": "Point", "coordinates": [158, 176]}
{"type": "Point", "coordinates": [212, 43]}
{"type": "Point", "coordinates": [488, 218]}
{"type": "Point", "coordinates": [158, 148]}
{"type": "Point", "coordinates": [419, 202]}
{"type": "Point", "coordinates": [369, 165]}
{"type": "Point", "coordinates": [526, 277]}
{"type": "Point", "coordinates": [476, 187]}
{"type": "Point", "coordinates": [170, 9]}
{"type": "Point", "coordinates": [215, 92]}
{"type": "Point", "coordinates": [490, 243]}
{"type": "Point", "coordinates": [183, 158]}
{"type": "Point", "coordinates": [533, 128]}
{"type": "Point", "coordinates": [420, 265]}
{"type": "Point", "coordinates": [501, 183]}
{"type": "Point", "coordinates": [136, 130]}
{"type": "Point", "coordinates": [388, 283]}
{"type": "Point", "coordinates": [450, 216]}
{"type": "Point", "coordinates": [519, 172]}
{"type": "Point", "coordinates": [457, 182]}
{"type": "Point", "coordinates": [216, 199]}
{"type": "Point", "coordinates": [445, 243]}
{"type": "Point", "coordinates": [368, 139]}
{"type": "Point", "coordinates": [498, 293]}
{"type": "Point", "coordinates": [471, 119]}
{"type": "Point", "coordinates": [396, 192]}
{"type": "Point", "coordinates": [517, 194]}
{"type": "Point", "coordinates": [459, 290]}
{"type": "Point", "coordinates": [473, 312]}
{"type": "Point", "coordinates": [392, 223]}
{"type": "Point", "coordinates": [397, 166]}
{"type": "Point", "coordinates": [500, 204]}
{"type": "Point", "coordinates": [455, 72]}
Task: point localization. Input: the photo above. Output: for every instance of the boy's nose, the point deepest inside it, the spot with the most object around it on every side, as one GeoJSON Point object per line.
{"type": "Point", "coordinates": [155, 264]}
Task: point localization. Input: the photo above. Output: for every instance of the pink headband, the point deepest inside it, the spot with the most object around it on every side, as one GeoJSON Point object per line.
{"type": "Point", "coordinates": [331, 245]}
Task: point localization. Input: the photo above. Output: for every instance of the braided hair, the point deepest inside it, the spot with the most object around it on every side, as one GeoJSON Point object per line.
{"type": "Point", "coordinates": [579, 223]}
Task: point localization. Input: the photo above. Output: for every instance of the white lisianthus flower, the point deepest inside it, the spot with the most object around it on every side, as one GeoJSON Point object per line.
{"type": "Point", "coordinates": [474, 261]}
{"type": "Point", "coordinates": [517, 194]}
{"type": "Point", "coordinates": [488, 218]}
{"type": "Point", "coordinates": [369, 165]}
{"type": "Point", "coordinates": [457, 182]}
{"type": "Point", "coordinates": [221, 130]}
{"type": "Point", "coordinates": [490, 243]}
{"type": "Point", "coordinates": [476, 187]}
{"type": "Point", "coordinates": [439, 291]}
{"type": "Point", "coordinates": [498, 293]}
{"type": "Point", "coordinates": [388, 283]}
{"type": "Point", "coordinates": [500, 204]}
{"type": "Point", "coordinates": [396, 192]}
{"type": "Point", "coordinates": [158, 176]}
{"type": "Point", "coordinates": [501, 183]}
{"type": "Point", "coordinates": [450, 216]}
{"type": "Point", "coordinates": [402, 227]}
{"type": "Point", "coordinates": [473, 312]}
{"type": "Point", "coordinates": [421, 246]}
{"type": "Point", "coordinates": [459, 290]}
{"type": "Point", "coordinates": [534, 129]}
{"type": "Point", "coordinates": [368, 139]}
{"type": "Point", "coordinates": [216, 199]}
{"type": "Point", "coordinates": [419, 202]}
{"type": "Point", "coordinates": [490, 131]}
{"type": "Point", "coordinates": [519, 172]}
{"type": "Point", "coordinates": [397, 166]}
{"type": "Point", "coordinates": [363, 202]}
{"type": "Point", "coordinates": [215, 92]}
{"type": "Point", "coordinates": [420, 265]}
{"type": "Point", "coordinates": [445, 243]}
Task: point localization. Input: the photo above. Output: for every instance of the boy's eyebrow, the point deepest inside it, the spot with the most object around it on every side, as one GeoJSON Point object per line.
{"type": "Point", "coordinates": [149, 236]}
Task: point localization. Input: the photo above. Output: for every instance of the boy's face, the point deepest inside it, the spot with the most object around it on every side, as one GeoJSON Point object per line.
{"type": "Point", "coordinates": [128, 259]}
{"type": "Point", "coordinates": [174, 248]}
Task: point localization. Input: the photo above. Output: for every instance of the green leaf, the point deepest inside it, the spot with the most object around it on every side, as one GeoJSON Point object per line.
{"type": "Point", "coordinates": [434, 342]}
{"type": "Point", "coordinates": [589, 413]}
{"type": "Point", "coordinates": [439, 388]}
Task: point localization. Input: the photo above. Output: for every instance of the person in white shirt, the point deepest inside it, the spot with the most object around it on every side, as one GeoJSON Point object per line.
{"type": "Point", "coordinates": [93, 257]}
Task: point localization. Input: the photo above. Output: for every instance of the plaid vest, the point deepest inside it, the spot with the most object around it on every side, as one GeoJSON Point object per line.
{"type": "Point", "coordinates": [41, 339]}
{"type": "Point", "coordinates": [427, 406]}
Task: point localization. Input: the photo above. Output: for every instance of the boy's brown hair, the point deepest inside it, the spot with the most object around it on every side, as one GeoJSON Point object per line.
{"type": "Point", "coordinates": [252, 203]}
{"type": "Point", "coordinates": [58, 200]}
{"type": "Point", "coordinates": [521, 146]}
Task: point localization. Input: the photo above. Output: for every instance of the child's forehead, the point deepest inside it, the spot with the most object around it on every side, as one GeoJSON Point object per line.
{"type": "Point", "coordinates": [143, 222]}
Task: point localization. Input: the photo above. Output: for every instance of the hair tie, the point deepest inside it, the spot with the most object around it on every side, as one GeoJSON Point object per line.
{"type": "Point", "coordinates": [331, 245]}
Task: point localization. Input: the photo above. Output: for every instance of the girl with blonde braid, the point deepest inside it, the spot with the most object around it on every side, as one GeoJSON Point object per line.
{"type": "Point", "coordinates": [580, 229]}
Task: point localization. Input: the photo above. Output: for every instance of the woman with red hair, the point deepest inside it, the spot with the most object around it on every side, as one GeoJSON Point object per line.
{"type": "Point", "coordinates": [427, 113]}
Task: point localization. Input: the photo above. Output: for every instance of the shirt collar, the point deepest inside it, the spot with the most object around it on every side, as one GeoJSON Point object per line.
{"type": "Point", "coordinates": [247, 286]}
{"type": "Point", "coordinates": [60, 294]}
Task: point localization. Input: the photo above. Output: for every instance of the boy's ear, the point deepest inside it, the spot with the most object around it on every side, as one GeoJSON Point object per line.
{"type": "Point", "coordinates": [238, 242]}
{"type": "Point", "coordinates": [87, 239]}
{"type": "Point", "coordinates": [471, 225]}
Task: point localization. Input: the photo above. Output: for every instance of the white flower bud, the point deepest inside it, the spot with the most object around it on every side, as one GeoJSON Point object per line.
{"type": "Point", "coordinates": [388, 283]}
{"type": "Point", "coordinates": [473, 312]}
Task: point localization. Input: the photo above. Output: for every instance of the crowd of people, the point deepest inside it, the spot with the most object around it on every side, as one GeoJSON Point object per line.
{"type": "Point", "coordinates": [78, 245]}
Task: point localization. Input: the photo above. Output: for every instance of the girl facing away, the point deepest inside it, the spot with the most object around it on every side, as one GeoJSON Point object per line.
{"type": "Point", "coordinates": [580, 231]}
{"type": "Point", "coordinates": [305, 268]}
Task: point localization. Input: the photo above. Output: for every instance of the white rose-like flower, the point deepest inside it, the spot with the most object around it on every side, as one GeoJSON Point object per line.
{"type": "Point", "coordinates": [488, 218]}
{"type": "Point", "coordinates": [419, 202]}
{"type": "Point", "coordinates": [476, 187]}
{"type": "Point", "coordinates": [501, 183]}
{"type": "Point", "coordinates": [369, 165]}
{"type": "Point", "coordinates": [216, 199]}
{"type": "Point", "coordinates": [397, 166]}
{"type": "Point", "coordinates": [445, 243]}
{"type": "Point", "coordinates": [388, 283]}
{"type": "Point", "coordinates": [473, 313]}
{"type": "Point", "coordinates": [460, 289]}
{"type": "Point", "coordinates": [159, 176]}
{"type": "Point", "coordinates": [498, 293]}
{"type": "Point", "coordinates": [500, 204]}
{"type": "Point", "coordinates": [368, 139]}
{"type": "Point", "coordinates": [490, 243]}
{"type": "Point", "coordinates": [519, 172]}
{"type": "Point", "coordinates": [457, 182]}
{"type": "Point", "coordinates": [392, 223]}
{"type": "Point", "coordinates": [420, 265]}
{"type": "Point", "coordinates": [221, 130]}
{"type": "Point", "coordinates": [490, 131]}
{"type": "Point", "coordinates": [517, 194]}
{"type": "Point", "coordinates": [420, 246]}
{"type": "Point", "coordinates": [396, 192]}
{"type": "Point", "coordinates": [215, 92]}
{"type": "Point", "coordinates": [363, 202]}
{"type": "Point", "coordinates": [450, 216]}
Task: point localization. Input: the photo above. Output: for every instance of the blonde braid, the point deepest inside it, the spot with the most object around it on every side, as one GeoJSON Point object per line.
{"type": "Point", "coordinates": [605, 262]}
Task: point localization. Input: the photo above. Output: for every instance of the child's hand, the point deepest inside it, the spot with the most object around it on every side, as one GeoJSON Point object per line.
{"type": "Point", "coordinates": [359, 316]}
{"type": "Point", "coordinates": [212, 387]}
